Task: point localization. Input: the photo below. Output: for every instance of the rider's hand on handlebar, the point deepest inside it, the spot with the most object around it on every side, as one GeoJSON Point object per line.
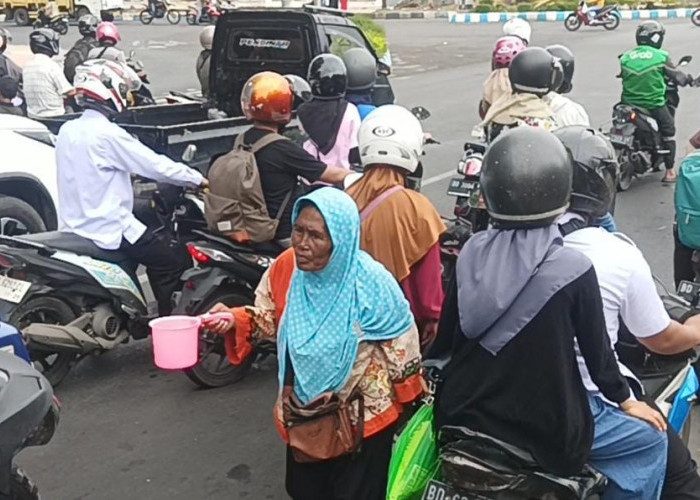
{"type": "Point", "coordinates": [643, 411]}
{"type": "Point", "coordinates": [219, 325]}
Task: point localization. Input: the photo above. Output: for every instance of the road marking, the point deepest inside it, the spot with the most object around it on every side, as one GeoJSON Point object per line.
{"type": "Point", "coordinates": [437, 178]}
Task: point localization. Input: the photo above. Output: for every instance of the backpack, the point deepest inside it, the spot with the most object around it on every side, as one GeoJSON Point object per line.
{"type": "Point", "coordinates": [687, 201]}
{"type": "Point", "coordinates": [235, 205]}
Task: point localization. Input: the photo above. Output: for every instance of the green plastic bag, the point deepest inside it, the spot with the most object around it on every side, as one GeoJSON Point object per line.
{"type": "Point", "coordinates": [414, 460]}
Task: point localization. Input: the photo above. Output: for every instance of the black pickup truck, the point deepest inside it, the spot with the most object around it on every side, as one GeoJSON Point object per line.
{"type": "Point", "coordinates": [246, 42]}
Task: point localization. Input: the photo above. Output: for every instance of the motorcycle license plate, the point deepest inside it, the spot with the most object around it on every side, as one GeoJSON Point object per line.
{"type": "Point", "coordinates": [463, 187]}
{"type": "Point", "coordinates": [688, 290]}
{"type": "Point", "coordinates": [12, 290]}
{"type": "Point", "coordinates": [623, 140]}
{"type": "Point", "coordinates": [441, 491]}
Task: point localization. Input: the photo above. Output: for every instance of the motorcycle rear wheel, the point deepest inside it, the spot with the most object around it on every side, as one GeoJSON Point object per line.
{"type": "Point", "coordinates": [37, 24]}
{"type": "Point", "coordinates": [626, 171]}
{"type": "Point", "coordinates": [21, 486]}
{"type": "Point", "coordinates": [612, 22]}
{"type": "Point", "coordinates": [54, 365]}
{"type": "Point", "coordinates": [214, 368]}
{"type": "Point", "coordinates": [191, 19]}
{"type": "Point", "coordinates": [173, 16]}
{"type": "Point", "coordinates": [145, 17]}
{"type": "Point", "coordinates": [61, 28]}
{"type": "Point", "coordinates": [695, 17]}
{"type": "Point", "coordinates": [572, 22]}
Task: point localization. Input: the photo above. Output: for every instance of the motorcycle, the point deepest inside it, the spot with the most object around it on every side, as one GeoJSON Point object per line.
{"type": "Point", "coordinates": [695, 17]}
{"type": "Point", "coordinates": [209, 14]}
{"type": "Point", "coordinates": [608, 17]}
{"type": "Point", "coordinates": [478, 466]}
{"type": "Point", "coordinates": [70, 298]}
{"type": "Point", "coordinates": [229, 273]}
{"type": "Point", "coordinates": [159, 10]}
{"type": "Point", "coordinates": [636, 138]}
{"type": "Point", "coordinates": [57, 23]}
{"type": "Point", "coordinates": [29, 417]}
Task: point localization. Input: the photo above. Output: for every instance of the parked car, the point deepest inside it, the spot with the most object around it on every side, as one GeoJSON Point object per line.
{"type": "Point", "coordinates": [28, 192]}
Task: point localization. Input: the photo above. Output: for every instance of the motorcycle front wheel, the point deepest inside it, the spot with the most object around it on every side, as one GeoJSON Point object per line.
{"type": "Point", "coordinates": [191, 19]}
{"type": "Point", "coordinates": [37, 25]}
{"type": "Point", "coordinates": [612, 22]}
{"type": "Point", "coordinates": [695, 17]}
{"type": "Point", "coordinates": [572, 22]}
{"type": "Point", "coordinates": [54, 365]}
{"type": "Point", "coordinates": [214, 368]}
{"type": "Point", "coordinates": [173, 16]}
{"type": "Point", "coordinates": [62, 28]}
{"type": "Point", "coordinates": [145, 17]}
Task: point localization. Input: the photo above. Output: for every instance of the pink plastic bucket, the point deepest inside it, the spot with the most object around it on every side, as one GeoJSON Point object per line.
{"type": "Point", "coordinates": [175, 341]}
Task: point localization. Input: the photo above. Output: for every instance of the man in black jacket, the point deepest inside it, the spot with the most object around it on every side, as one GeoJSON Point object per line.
{"type": "Point", "coordinates": [78, 54]}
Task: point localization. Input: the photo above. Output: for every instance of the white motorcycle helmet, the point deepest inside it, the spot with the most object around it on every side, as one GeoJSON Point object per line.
{"type": "Point", "coordinates": [519, 27]}
{"type": "Point", "coordinates": [104, 85]}
{"type": "Point", "coordinates": [391, 135]}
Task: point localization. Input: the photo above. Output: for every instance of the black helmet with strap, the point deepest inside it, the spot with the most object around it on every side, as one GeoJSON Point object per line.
{"type": "Point", "coordinates": [44, 41]}
{"type": "Point", "coordinates": [526, 178]}
{"type": "Point", "coordinates": [566, 59]}
{"type": "Point", "coordinates": [327, 77]}
{"type": "Point", "coordinates": [535, 71]}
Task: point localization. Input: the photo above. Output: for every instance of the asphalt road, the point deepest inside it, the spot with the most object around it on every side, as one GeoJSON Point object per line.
{"type": "Point", "coordinates": [128, 430]}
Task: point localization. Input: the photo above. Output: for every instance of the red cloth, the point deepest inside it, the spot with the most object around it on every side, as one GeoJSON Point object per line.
{"type": "Point", "coordinates": [423, 287]}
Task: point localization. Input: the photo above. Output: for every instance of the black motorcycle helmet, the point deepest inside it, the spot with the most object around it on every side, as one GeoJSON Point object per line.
{"type": "Point", "coordinates": [650, 33]}
{"type": "Point", "coordinates": [566, 59]}
{"type": "Point", "coordinates": [535, 71]}
{"type": "Point", "coordinates": [5, 39]}
{"type": "Point", "coordinates": [44, 41]}
{"type": "Point", "coordinates": [526, 178]}
{"type": "Point", "coordinates": [87, 25]}
{"type": "Point", "coordinates": [595, 170]}
{"type": "Point", "coordinates": [327, 77]}
{"type": "Point", "coordinates": [362, 69]}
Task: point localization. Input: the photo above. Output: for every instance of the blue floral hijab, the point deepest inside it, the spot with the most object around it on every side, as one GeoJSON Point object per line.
{"type": "Point", "coordinates": [329, 312]}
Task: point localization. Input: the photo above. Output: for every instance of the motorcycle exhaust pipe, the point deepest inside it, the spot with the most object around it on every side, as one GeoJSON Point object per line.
{"type": "Point", "coordinates": [69, 338]}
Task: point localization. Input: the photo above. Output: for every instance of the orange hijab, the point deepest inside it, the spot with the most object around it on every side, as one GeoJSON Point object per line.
{"type": "Point", "coordinates": [401, 230]}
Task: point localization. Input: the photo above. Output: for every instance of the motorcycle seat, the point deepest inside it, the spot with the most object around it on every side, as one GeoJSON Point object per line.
{"type": "Point", "coordinates": [269, 248]}
{"type": "Point", "coordinates": [76, 244]}
{"type": "Point", "coordinates": [639, 109]}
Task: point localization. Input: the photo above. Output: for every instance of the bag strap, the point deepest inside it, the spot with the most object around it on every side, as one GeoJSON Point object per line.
{"type": "Point", "coordinates": [266, 140]}
{"type": "Point", "coordinates": [284, 204]}
{"type": "Point", "coordinates": [378, 201]}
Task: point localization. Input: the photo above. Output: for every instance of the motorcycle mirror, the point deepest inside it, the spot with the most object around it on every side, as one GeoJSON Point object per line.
{"type": "Point", "coordinates": [420, 112]}
{"type": "Point", "coordinates": [383, 68]}
{"type": "Point", "coordinates": [188, 154]}
{"type": "Point", "coordinates": [685, 60]}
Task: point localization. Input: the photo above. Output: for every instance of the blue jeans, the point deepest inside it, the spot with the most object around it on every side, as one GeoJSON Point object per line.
{"type": "Point", "coordinates": [607, 222]}
{"type": "Point", "coordinates": [630, 452]}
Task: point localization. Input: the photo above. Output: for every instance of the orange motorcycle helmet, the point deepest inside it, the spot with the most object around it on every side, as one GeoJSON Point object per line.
{"type": "Point", "coordinates": [268, 97]}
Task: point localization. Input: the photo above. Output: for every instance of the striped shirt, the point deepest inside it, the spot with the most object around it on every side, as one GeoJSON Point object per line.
{"type": "Point", "coordinates": [44, 87]}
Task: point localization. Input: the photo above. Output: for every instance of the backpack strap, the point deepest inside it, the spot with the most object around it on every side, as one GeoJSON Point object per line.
{"type": "Point", "coordinates": [378, 201]}
{"type": "Point", "coordinates": [285, 202]}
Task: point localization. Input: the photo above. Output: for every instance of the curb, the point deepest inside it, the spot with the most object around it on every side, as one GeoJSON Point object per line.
{"type": "Point", "coordinates": [559, 16]}
{"type": "Point", "coordinates": [411, 15]}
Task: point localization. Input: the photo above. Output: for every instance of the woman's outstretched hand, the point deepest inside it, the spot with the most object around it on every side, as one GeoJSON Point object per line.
{"type": "Point", "coordinates": [219, 325]}
{"type": "Point", "coordinates": [643, 411]}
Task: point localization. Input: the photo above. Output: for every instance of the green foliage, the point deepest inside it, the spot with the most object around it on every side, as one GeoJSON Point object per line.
{"type": "Point", "coordinates": [374, 33]}
{"type": "Point", "coordinates": [524, 7]}
{"type": "Point", "coordinates": [481, 9]}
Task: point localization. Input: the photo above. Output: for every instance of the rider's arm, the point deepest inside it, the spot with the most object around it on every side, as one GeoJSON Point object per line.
{"type": "Point", "coordinates": [643, 312]}
{"type": "Point", "coordinates": [130, 155]}
{"type": "Point", "coordinates": [334, 175]}
{"type": "Point", "coordinates": [675, 74]}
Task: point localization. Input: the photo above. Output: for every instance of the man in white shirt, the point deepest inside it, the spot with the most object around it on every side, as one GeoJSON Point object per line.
{"type": "Point", "coordinates": [95, 160]}
{"type": "Point", "coordinates": [626, 283]}
{"type": "Point", "coordinates": [566, 111]}
{"type": "Point", "coordinates": [45, 85]}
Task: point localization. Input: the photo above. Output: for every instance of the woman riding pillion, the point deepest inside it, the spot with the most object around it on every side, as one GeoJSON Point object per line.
{"type": "Point", "coordinates": [344, 333]}
{"type": "Point", "coordinates": [497, 84]}
{"type": "Point", "coordinates": [400, 227]}
{"type": "Point", "coordinates": [330, 121]}
{"type": "Point", "coordinates": [533, 73]}
{"type": "Point", "coordinates": [362, 76]}
{"type": "Point", "coordinates": [510, 323]}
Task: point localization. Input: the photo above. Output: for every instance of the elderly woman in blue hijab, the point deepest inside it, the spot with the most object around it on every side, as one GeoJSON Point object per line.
{"type": "Point", "coordinates": [348, 347]}
{"type": "Point", "coordinates": [522, 305]}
